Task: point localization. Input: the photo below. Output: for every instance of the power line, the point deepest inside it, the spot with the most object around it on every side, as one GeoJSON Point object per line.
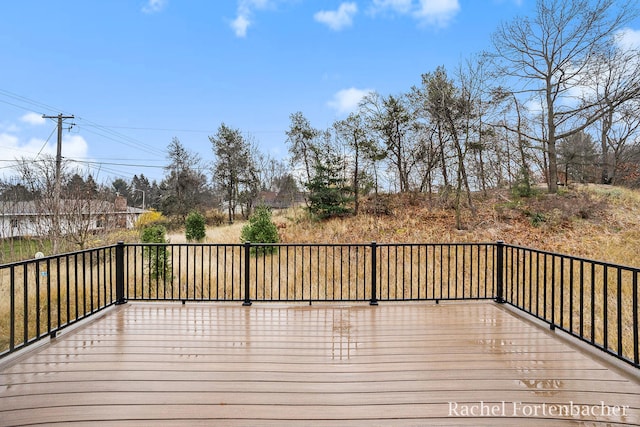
{"type": "Point", "coordinates": [46, 142]}
{"type": "Point", "coordinates": [146, 149]}
{"type": "Point", "coordinates": [28, 101]}
{"type": "Point", "coordinates": [186, 130]}
{"type": "Point", "coordinates": [116, 164]}
{"type": "Point", "coordinates": [161, 129]}
{"type": "Point", "coordinates": [116, 136]}
{"type": "Point", "coordinates": [28, 104]}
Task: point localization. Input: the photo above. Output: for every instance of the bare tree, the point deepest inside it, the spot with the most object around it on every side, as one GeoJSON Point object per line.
{"type": "Point", "coordinates": [613, 71]}
{"type": "Point", "coordinates": [82, 210]}
{"type": "Point", "coordinates": [624, 138]}
{"type": "Point", "coordinates": [550, 54]}
{"type": "Point", "coordinates": [518, 125]}
{"type": "Point", "coordinates": [390, 119]}
{"type": "Point", "coordinates": [270, 171]}
{"type": "Point", "coordinates": [453, 107]}
{"type": "Point", "coordinates": [39, 177]}
{"type": "Point", "coordinates": [430, 152]}
{"type": "Point", "coordinates": [233, 171]}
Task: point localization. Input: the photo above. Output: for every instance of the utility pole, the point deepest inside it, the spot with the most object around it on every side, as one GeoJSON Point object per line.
{"type": "Point", "coordinates": [56, 190]}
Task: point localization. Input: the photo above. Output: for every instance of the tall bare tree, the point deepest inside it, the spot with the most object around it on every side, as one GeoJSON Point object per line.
{"type": "Point", "coordinates": [550, 53]}
{"type": "Point", "coordinates": [454, 108]}
{"type": "Point", "coordinates": [39, 177]}
{"type": "Point", "coordinates": [233, 170]}
{"type": "Point", "coordinates": [623, 139]}
{"type": "Point", "coordinates": [390, 119]}
{"type": "Point", "coordinates": [613, 72]}
{"type": "Point", "coordinates": [517, 124]}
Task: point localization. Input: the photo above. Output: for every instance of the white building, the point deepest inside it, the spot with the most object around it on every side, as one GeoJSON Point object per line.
{"type": "Point", "coordinates": [35, 218]}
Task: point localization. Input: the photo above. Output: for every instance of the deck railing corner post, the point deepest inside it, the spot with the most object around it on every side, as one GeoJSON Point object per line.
{"type": "Point", "coordinates": [247, 264]}
{"type": "Point", "coordinates": [374, 272]}
{"type": "Point", "coordinates": [499, 272]}
{"type": "Point", "coordinates": [120, 298]}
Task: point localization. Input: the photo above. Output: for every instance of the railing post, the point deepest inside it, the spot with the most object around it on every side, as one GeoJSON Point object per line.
{"type": "Point", "coordinates": [120, 299]}
{"type": "Point", "coordinates": [247, 257]}
{"type": "Point", "coordinates": [374, 272]}
{"type": "Point", "coordinates": [499, 271]}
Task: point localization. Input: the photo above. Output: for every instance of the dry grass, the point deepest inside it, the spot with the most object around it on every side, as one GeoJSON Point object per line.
{"type": "Point", "coordinates": [597, 222]}
{"type": "Point", "coordinates": [222, 234]}
{"type": "Point", "coordinates": [594, 221]}
{"type": "Point", "coordinates": [46, 297]}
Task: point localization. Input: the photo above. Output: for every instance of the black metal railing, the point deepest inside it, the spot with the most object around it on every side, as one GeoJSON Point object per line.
{"type": "Point", "coordinates": [593, 301]}
{"type": "Point", "coordinates": [309, 272]}
{"type": "Point", "coordinates": [40, 297]}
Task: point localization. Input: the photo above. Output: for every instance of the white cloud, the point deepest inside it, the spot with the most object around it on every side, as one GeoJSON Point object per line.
{"type": "Point", "coordinates": [429, 12]}
{"type": "Point", "coordinates": [338, 19]}
{"type": "Point", "coordinates": [240, 25]}
{"type": "Point", "coordinates": [516, 2]}
{"type": "Point", "coordinates": [8, 127]}
{"type": "Point", "coordinates": [246, 8]}
{"type": "Point", "coordinates": [399, 6]}
{"type": "Point", "coordinates": [155, 6]}
{"type": "Point", "coordinates": [13, 148]}
{"type": "Point", "coordinates": [437, 12]}
{"type": "Point", "coordinates": [33, 119]}
{"type": "Point", "coordinates": [73, 146]}
{"type": "Point", "coordinates": [16, 147]}
{"type": "Point", "coordinates": [628, 39]}
{"type": "Point", "coordinates": [346, 101]}
{"type": "Point", "coordinates": [8, 142]}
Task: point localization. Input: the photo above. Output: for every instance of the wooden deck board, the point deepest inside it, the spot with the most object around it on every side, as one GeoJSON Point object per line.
{"type": "Point", "coordinates": [395, 364]}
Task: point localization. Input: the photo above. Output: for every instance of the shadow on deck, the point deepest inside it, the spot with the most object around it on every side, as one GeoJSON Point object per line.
{"type": "Point", "coordinates": [327, 365]}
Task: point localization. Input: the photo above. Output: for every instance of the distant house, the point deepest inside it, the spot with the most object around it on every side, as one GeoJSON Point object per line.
{"type": "Point", "coordinates": [35, 218]}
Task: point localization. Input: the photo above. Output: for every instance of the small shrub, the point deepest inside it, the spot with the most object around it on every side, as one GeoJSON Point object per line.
{"type": "Point", "coordinates": [159, 262]}
{"type": "Point", "coordinates": [261, 229]}
{"type": "Point", "coordinates": [522, 187]}
{"type": "Point", "coordinates": [536, 218]}
{"type": "Point", "coordinates": [149, 218]}
{"type": "Point", "coordinates": [195, 227]}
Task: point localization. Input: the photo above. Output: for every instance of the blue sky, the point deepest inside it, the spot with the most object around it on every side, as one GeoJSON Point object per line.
{"type": "Point", "coordinates": [137, 73]}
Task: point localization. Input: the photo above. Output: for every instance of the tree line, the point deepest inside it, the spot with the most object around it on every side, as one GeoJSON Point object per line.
{"type": "Point", "coordinates": [555, 99]}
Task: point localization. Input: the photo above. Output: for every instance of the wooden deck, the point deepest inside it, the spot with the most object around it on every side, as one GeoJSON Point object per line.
{"type": "Point", "coordinates": [325, 365]}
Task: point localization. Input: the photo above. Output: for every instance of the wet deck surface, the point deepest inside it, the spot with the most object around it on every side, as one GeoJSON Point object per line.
{"type": "Point", "coordinates": [326, 365]}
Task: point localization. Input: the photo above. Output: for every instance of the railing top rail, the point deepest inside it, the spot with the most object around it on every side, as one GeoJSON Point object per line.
{"type": "Point", "coordinates": [576, 258]}
{"type": "Point", "coordinates": [192, 244]}
{"type": "Point", "coordinates": [280, 244]}
{"type": "Point", "coordinates": [438, 244]}
{"type": "Point", "coordinates": [235, 245]}
{"type": "Point", "coordinates": [55, 256]}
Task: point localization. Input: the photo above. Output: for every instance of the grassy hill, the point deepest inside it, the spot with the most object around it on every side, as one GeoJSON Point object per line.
{"type": "Point", "coordinates": [593, 221]}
